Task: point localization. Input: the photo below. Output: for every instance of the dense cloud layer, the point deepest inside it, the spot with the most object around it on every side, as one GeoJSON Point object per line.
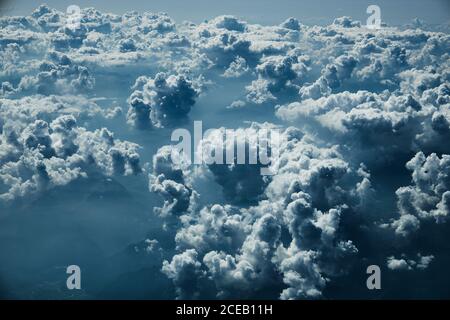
{"type": "Point", "coordinates": [363, 166]}
{"type": "Point", "coordinates": [44, 155]}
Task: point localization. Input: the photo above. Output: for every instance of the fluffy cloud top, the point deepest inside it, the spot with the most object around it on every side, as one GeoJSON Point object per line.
{"type": "Point", "coordinates": [157, 102]}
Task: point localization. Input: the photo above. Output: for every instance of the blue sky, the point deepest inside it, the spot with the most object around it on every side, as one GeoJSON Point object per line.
{"type": "Point", "coordinates": [260, 11]}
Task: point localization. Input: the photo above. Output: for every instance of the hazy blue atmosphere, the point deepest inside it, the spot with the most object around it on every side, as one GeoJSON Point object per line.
{"type": "Point", "coordinates": [89, 177]}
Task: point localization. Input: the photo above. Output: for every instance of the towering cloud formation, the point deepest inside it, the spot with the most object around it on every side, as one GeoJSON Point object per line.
{"type": "Point", "coordinates": [159, 101]}
{"type": "Point", "coordinates": [242, 249]}
{"type": "Point", "coordinates": [428, 197]}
